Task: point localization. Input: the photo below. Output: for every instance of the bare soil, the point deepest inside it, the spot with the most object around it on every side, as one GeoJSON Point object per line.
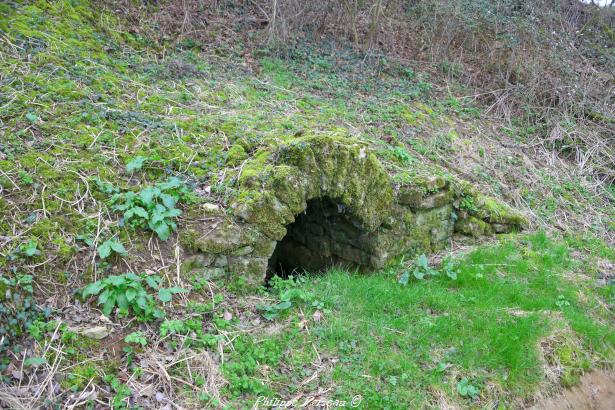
{"type": "Point", "coordinates": [596, 392]}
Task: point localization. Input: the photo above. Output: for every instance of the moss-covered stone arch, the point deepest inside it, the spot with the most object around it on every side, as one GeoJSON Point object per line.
{"type": "Point", "coordinates": [277, 183]}
{"type": "Point", "coordinates": [382, 220]}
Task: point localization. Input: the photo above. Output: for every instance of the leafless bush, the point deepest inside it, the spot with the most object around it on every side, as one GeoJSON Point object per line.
{"type": "Point", "coordinates": [548, 63]}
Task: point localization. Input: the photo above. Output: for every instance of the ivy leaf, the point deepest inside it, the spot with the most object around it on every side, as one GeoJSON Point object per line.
{"type": "Point", "coordinates": [136, 163]}
{"type": "Point", "coordinates": [31, 117]}
{"type": "Point", "coordinates": [35, 361]}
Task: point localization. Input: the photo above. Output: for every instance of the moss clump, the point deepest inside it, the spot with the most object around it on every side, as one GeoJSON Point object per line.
{"type": "Point", "coordinates": [235, 155]}
{"type": "Point", "coordinates": [487, 209]}
{"type": "Point", "coordinates": [473, 226]}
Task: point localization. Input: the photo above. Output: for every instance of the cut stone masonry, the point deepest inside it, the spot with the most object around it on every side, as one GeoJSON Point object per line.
{"type": "Point", "coordinates": [321, 201]}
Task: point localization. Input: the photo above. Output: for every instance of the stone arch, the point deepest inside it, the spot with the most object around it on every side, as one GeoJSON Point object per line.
{"type": "Point", "coordinates": [366, 219]}
{"type": "Point", "coordinates": [276, 186]}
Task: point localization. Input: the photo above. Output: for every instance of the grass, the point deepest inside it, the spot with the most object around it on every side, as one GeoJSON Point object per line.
{"type": "Point", "coordinates": [401, 346]}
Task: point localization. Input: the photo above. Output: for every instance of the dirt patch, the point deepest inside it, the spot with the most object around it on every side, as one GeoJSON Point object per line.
{"type": "Point", "coordinates": [596, 392]}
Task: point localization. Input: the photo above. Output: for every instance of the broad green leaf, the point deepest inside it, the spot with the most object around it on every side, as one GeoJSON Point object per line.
{"type": "Point", "coordinates": [163, 231]}
{"type": "Point", "coordinates": [142, 302]}
{"type": "Point", "coordinates": [418, 274]}
{"type": "Point", "coordinates": [164, 295]}
{"type": "Point", "coordinates": [283, 305]}
{"type": "Point", "coordinates": [116, 280]}
{"type": "Point", "coordinates": [423, 262]}
{"type": "Point", "coordinates": [122, 301]}
{"type": "Point", "coordinates": [130, 294]}
{"type": "Point", "coordinates": [109, 305]}
{"type": "Point", "coordinates": [118, 248]}
{"type": "Point", "coordinates": [168, 200]}
{"type": "Point", "coordinates": [104, 250]}
{"type": "Point", "coordinates": [158, 214]}
{"type": "Point", "coordinates": [171, 183]}
{"type": "Point", "coordinates": [171, 213]}
{"type": "Point", "coordinates": [131, 276]}
{"type": "Point", "coordinates": [177, 290]}
{"type": "Point", "coordinates": [152, 281]}
{"type": "Point", "coordinates": [404, 278]}
{"type": "Point", "coordinates": [137, 210]}
{"type": "Point", "coordinates": [31, 117]}
{"type": "Point", "coordinates": [136, 163]}
{"type": "Point", "coordinates": [147, 195]}
{"type": "Point", "coordinates": [35, 361]}
{"type": "Point", "coordinates": [92, 289]}
{"type": "Point", "coordinates": [103, 297]}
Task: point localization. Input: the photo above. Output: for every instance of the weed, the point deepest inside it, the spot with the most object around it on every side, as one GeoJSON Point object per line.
{"type": "Point", "coordinates": [30, 249]}
{"type": "Point", "coordinates": [192, 330]}
{"type": "Point", "coordinates": [122, 392]}
{"type": "Point", "coordinates": [127, 293]}
{"type": "Point", "coordinates": [136, 163]}
{"type": "Point", "coordinates": [152, 207]}
{"type": "Point", "coordinates": [466, 389]}
{"type": "Point", "coordinates": [18, 310]}
{"type": "Point", "coordinates": [111, 246]}
{"type": "Point", "coordinates": [288, 294]}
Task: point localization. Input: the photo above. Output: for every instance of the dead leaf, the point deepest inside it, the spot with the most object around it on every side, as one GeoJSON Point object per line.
{"type": "Point", "coordinates": [317, 316]}
{"type": "Point", "coordinates": [227, 315]}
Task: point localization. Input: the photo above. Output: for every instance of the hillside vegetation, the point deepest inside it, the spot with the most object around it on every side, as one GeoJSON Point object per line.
{"type": "Point", "coordinates": [124, 123]}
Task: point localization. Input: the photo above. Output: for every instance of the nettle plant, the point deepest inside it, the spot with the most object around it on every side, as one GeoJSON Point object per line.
{"type": "Point", "coordinates": [130, 294]}
{"type": "Point", "coordinates": [153, 207]}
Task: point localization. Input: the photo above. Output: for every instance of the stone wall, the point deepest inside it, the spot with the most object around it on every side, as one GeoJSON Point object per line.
{"type": "Point", "coordinates": [323, 201]}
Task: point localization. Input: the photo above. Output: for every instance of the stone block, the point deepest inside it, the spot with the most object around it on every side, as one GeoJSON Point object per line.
{"type": "Point", "coordinates": [472, 226]}
{"type": "Point", "coordinates": [436, 200]}
{"type": "Point", "coordinates": [197, 261]}
{"type": "Point", "coordinates": [244, 250]}
{"type": "Point", "coordinates": [221, 261]}
{"type": "Point", "coordinates": [252, 267]}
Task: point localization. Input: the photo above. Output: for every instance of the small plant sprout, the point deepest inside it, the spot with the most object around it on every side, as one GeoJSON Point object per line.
{"type": "Point", "coordinates": [30, 249]}
{"type": "Point", "coordinates": [111, 246]}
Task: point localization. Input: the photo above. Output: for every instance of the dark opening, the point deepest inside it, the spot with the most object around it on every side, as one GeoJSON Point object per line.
{"type": "Point", "coordinates": [322, 236]}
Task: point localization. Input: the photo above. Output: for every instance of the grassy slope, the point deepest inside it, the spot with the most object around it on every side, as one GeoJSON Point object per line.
{"type": "Point", "coordinates": [80, 98]}
{"type": "Point", "coordinates": [516, 310]}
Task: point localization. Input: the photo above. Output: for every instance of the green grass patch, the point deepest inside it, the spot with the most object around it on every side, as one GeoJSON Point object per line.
{"type": "Point", "coordinates": [473, 339]}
